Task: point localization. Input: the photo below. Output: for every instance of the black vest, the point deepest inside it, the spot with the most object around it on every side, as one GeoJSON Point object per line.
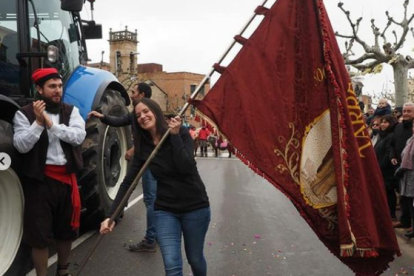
{"type": "Point", "coordinates": [34, 161]}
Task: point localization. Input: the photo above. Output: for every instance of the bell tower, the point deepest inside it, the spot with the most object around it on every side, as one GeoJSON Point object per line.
{"type": "Point", "coordinates": [123, 57]}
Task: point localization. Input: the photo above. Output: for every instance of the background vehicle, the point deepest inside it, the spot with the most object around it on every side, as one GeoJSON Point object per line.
{"type": "Point", "coordinates": [32, 34]}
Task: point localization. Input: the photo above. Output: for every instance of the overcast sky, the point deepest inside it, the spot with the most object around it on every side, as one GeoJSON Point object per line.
{"type": "Point", "coordinates": [191, 35]}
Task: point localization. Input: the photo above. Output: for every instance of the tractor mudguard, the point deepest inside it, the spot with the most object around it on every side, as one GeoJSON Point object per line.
{"type": "Point", "coordinates": [87, 85]}
{"type": "Point", "coordinates": [7, 109]}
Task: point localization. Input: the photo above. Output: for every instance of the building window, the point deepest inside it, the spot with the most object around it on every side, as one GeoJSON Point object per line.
{"type": "Point", "coordinates": [193, 87]}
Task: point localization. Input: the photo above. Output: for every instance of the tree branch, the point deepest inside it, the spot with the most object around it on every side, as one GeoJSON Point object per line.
{"type": "Point", "coordinates": [344, 36]}
{"type": "Point", "coordinates": [376, 32]}
{"type": "Point", "coordinates": [348, 47]}
{"type": "Point", "coordinates": [371, 65]}
{"type": "Point", "coordinates": [354, 29]}
{"type": "Point", "coordinates": [362, 58]}
{"type": "Point", "coordinates": [404, 24]}
{"type": "Point", "coordinates": [385, 29]}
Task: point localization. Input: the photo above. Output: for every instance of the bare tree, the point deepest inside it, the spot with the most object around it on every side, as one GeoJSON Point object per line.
{"type": "Point", "coordinates": [373, 58]}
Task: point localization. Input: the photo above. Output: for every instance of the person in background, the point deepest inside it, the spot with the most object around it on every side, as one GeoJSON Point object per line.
{"type": "Point", "coordinates": [369, 115]}
{"type": "Point", "coordinates": [182, 207]}
{"type": "Point", "coordinates": [382, 150]}
{"type": "Point", "coordinates": [49, 133]}
{"type": "Point", "coordinates": [407, 178]}
{"type": "Point", "coordinates": [403, 131]}
{"type": "Point", "coordinates": [374, 129]}
{"type": "Point", "coordinates": [194, 135]}
{"type": "Point", "coordinates": [397, 112]}
{"type": "Point", "coordinates": [203, 134]}
{"type": "Point", "coordinates": [383, 108]}
{"type": "Point", "coordinates": [193, 132]}
{"type": "Point", "coordinates": [149, 184]}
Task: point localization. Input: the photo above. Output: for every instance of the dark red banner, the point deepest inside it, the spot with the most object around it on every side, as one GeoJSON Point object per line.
{"type": "Point", "coordinates": [287, 105]}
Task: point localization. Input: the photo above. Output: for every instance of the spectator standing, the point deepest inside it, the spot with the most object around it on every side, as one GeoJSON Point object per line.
{"type": "Point", "coordinates": [403, 131]}
{"type": "Point", "coordinates": [374, 129]}
{"type": "Point", "coordinates": [203, 134]}
{"type": "Point", "coordinates": [407, 179]}
{"type": "Point", "coordinates": [382, 150]}
{"type": "Point", "coordinates": [397, 112]}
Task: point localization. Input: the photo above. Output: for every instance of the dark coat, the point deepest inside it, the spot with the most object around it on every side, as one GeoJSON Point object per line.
{"type": "Point", "coordinates": [382, 151]}
{"type": "Point", "coordinates": [382, 111]}
{"type": "Point", "coordinates": [403, 131]}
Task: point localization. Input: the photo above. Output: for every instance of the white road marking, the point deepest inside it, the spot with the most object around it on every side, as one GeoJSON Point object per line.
{"type": "Point", "coordinates": [52, 260]}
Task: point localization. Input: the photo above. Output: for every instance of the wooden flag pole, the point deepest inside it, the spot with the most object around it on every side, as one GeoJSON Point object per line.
{"type": "Point", "coordinates": [155, 151]}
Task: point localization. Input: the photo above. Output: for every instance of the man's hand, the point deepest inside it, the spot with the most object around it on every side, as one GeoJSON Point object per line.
{"type": "Point", "coordinates": [129, 154]}
{"type": "Point", "coordinates": [394, 161]}
{"type": "Point", "coordinates": [47, 120]}
{"type": "Point", "coordinates": [39, 108]}
{"type": "Point", "coordinates": [175, 124]}
{"type": "Point", "coordinates": [95, 114]}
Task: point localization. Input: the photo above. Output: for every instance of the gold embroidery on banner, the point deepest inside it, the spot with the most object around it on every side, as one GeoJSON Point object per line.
{"type": "Point", "coordinates": [358, 124]}
{"type": "Point", "coordinates": [319, 75]}
{"type": "Point", "coordinates": [317, 170]}
{"type": "Point", "coordinates": [331, 216]}
{"type": "Point", "coordinates": [315, 174]}
{"type": "Point", "coordinates": [290, 154]}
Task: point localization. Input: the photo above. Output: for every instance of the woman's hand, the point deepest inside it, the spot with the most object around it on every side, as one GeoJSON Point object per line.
{"type": "Point", "coordinates": [105, 228]}
{"type": "Point", "coordinates": [175, 124]}
{"type": "Point", "coordinates": [129, 154]}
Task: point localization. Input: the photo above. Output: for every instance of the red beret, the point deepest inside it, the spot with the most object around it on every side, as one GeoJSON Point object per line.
{"type": "Point", "coordinates": [43, 74]}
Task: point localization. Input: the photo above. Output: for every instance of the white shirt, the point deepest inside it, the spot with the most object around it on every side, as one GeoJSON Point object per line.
{"type": "Point", "coordinates": [26, 135]}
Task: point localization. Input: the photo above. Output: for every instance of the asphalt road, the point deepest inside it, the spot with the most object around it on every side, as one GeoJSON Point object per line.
{"type": "Point", "coordinates": [254, 230]}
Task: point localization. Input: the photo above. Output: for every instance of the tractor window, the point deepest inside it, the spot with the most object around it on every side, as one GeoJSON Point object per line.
{"type": "Point", "coordinates": [9, 66]}
{"type": "Point", "coordinates": [53, 27]}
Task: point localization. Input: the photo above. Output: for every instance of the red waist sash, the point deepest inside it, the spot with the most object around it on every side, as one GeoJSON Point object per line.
{"type": "Point", "coordinates": [59, 173]}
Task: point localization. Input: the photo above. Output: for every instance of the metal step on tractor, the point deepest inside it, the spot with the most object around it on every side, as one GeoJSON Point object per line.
{"type": "Point", "coordinates": [36, 34]}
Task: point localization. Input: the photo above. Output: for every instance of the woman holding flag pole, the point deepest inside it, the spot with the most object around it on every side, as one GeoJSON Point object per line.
{"type": "Point", "coordinates": [182, 207]}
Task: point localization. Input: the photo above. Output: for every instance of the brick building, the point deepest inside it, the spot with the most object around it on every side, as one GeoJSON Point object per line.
{"type": "Point", "coordinates": [178, 86]}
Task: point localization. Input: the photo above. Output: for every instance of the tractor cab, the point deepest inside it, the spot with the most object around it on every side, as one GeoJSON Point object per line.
{"type": "Point", "coordinates": [36, 34]}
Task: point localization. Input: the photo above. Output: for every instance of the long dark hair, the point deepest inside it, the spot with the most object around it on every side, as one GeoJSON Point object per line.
{"type": "Point", "coordinates": [140, 134]}
{"type": "Point", "coordinates": [392, 121]}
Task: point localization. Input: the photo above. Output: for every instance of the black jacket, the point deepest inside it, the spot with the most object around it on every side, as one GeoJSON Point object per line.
{"type": "Point", "coordinates": [402, 132]}
{"type": "Point", "coordinates": [116, 121]}
{"type": "Point", "coordinates": [382, 150]}
{"type": "Point", "coordinates": [179, 185]}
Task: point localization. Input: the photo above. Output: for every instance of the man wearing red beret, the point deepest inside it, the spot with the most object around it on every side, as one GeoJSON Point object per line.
{"type": "Point", "coordinates": [49, 133]}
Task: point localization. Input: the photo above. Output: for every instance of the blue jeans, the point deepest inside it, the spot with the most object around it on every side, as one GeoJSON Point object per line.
{"type": "Point", "coordinates": [193, 227]}
{"type": "Point", "coordinates": [149, 189]}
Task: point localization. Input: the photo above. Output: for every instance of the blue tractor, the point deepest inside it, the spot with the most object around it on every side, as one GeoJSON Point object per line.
{"type": "Point", "coordinates": [36, 34]}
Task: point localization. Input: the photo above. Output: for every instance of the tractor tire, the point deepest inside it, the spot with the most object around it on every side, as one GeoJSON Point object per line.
{"type": "Point", "coordinates": [105, 166]}
{"type": "Point", "coordinates": [15, 258]}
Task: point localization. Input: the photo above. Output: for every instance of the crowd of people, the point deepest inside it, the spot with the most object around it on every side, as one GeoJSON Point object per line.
{"type": "Point", "coordinates": [391, 132]}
